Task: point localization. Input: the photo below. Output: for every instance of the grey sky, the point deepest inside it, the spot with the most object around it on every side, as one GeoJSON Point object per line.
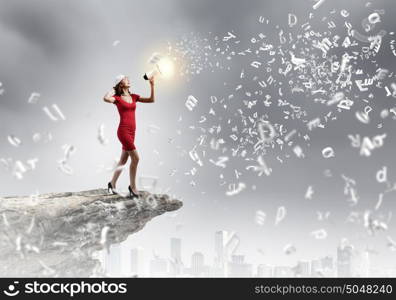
{"type": "Point", "coordinates": [64, 51]}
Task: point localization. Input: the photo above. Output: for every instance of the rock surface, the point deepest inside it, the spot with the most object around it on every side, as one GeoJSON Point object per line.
{"type": "Point", "coordinates": [55, 235]}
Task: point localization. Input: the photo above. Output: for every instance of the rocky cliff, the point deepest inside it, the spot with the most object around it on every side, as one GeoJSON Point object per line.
{"type": "Point", "coordinates": [55, 235]}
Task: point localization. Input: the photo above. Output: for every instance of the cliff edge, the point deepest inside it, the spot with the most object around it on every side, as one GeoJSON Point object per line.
{"type": "Point", "coordinates": [55, 234]}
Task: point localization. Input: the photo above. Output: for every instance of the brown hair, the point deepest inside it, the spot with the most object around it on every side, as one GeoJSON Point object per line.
{"type": "Point", "coordinates": [118, 89]}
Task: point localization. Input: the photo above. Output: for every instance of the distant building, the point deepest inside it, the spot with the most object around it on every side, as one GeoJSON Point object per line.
{"type": "Point", "coordinates": [352, 263]}
{"type": "Point", "coordinates": [328, 268]}
{"type": "Point", "coordinates": [344, 261]}
{"type": "Point", "coordinates": [113, 260]}
{"type": "Point", "coordinates": [264, 271]}
{"type": "Point", "coordinates": [226, 244]}
{"type": "Point", "coordinates": [283, 271]}
{"type": "Point", "coordinates": [360, 264]}
{"type": "Point", "coordinates": [316, 268]}
{"type": "Point", "coordinates": [217, 270]}
{"type": "Point", "coordinates": [220, 267]}
{"type": "Point", "coordinates": [375, 272]}
{"type": "Point", "coordinates": [302, 269]}
{"type": "Point", "coordinates": [327, 262]}
{"type": "Point", "coordinates": [390, 272]}
{"type": "Point", "coordinates": [175, 264]}
{"type": "Point", "coordinates": [220, 240]}
{"type": "Point", "coordinates": [175, 248]}
{"type": "Point", "coordinates": [158, 267]}
{"type": "Point", "coordinates": [198, 264]}
{"type": "Point", "coordinates": [238, 268]}
{"type": "Point", "coordinates": [137, 261]}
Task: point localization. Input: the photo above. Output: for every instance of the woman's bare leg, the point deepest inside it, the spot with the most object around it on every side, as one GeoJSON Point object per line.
{"type": "Point", "coordinates": [133, 168]}
{"type": "Point", "coordinates": [123, 160]}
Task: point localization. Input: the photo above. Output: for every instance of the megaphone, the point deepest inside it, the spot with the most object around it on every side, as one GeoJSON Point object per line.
{"type": "Point", "coordinates": [163, 67]}
{"type": "Point", "coordinates": [152, 73]}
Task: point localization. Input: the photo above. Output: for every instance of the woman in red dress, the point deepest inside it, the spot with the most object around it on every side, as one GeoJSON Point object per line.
{"type": "Point", "coordinates": [126, 105]}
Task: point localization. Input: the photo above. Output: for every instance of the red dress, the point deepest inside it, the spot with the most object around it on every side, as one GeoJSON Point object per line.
{"type": "Point", "coordinates": [127, 127]}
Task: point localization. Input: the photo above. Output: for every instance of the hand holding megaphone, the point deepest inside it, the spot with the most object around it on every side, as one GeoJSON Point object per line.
{"type": "Point", "coordinates": [151, 80]}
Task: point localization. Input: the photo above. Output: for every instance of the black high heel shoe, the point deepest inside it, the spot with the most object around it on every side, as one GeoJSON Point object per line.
{"type": "Point", "coordinates": [131, 193]}
{"type": "Point", "coordinates": [110, 189]}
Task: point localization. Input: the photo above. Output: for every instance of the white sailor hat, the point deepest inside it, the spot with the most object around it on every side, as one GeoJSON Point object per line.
{"type": "Point", "coordinates": [118, 79]}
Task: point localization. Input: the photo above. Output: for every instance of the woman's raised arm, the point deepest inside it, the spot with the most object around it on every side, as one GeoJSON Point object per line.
{"type": "Point", "coordinates": [151, 98]}
{"type": "Point", "coordinates": [109, 97]}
